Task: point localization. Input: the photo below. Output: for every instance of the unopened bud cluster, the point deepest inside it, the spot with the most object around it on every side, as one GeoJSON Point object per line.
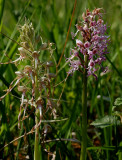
{"type": "Point", "coordinates": [92, 42]}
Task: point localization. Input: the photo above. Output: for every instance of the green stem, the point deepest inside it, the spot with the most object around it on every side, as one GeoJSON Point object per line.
{"type": "Point", "coordinates": [84, 112]}
{"type": "Point", "coordinates": [37, 139]}
{"type": "Point", "coordinates": [37, 154]}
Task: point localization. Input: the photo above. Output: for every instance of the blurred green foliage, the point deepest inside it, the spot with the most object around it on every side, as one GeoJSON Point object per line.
{"type": "Point", "coordinates": [51, 19]}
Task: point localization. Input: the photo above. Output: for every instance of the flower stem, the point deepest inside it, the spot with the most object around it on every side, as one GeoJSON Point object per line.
{"type": "Point", "coordinates": [37, 151]}
{"type": "Point", "coordinates": [84, 111]}
{"type": "Point", "coordinates": [37, 139]}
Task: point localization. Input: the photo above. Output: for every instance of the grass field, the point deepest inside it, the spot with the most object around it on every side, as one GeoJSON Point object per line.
{"type": "Point", "coordinates": [54, 20]}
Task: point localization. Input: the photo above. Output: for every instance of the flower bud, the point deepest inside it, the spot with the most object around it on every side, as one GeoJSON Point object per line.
{"type": "Point", "coordinates": [26, 45]}
{"type": "Point", "coordinates": [80, 28]}
{"type": "Point", "coordinates": [79, 43]}
{"type": "Point", "coordinates": [28, 69]}
{"type": "Point", "coordinates": [39, 101]}
{"type": "Point", "coordinates": [75, 53]}
{"type": "Point", "coordinates": [19, 74]}
{"type": "Point", "coordinates": [51, 75]}
{"type": "Point", "coordinates": [52, 46]}
{"type": "Point", "coordinates": [43, 46]}
{"type": "Point", "coordinates": [35, 54]}
{"type": "Point", "coordinates": [22, 50]}
{"type": "Point", "coordinates": [21, 88]}
{"type": "Point", "coordinates": [37, 39]}
{"type": "Point", "coordinates": [90, 52]}
{"type": "Point", "coordinates": [47, 128]}
{"type": "Point", "coordinates": [49, 64]}
{"type": "Point", "coordinates": [43, 79]}
{"type": "Point", "coordinates": [92, 23]}
{"type": "Point", "coordinates": [87, 44]}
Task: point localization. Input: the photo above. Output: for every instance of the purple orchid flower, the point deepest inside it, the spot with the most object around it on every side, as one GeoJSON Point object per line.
{"type": "Point", "coordinates": [93, 42]}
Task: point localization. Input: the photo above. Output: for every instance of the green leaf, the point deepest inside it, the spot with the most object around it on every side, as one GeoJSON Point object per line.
{"type": "Point", "coordinates": [118, 101]}
{"type": "Point", "coordinates": [119, 153]}
{"type": "Point", "coordinates": [44, 27]}
{"type": "Point", "coordinates": [2, 2]}
{"type": "Point", "coordinates": [102, 148]}
{"type": "Point", "coordinates": [106, 121]}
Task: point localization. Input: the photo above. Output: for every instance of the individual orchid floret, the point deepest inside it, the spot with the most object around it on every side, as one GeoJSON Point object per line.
{"type": "Point", "coordinates": [44, 46]}
{"type": "Point", "coordinates": [19, 74]}
{"type": "Point", "coordinates": [87, 44]}
{"type": "Point", "coordinates": [79, 43]}
{"type": "Point", "coordinates": [75, 64]}
{"type": "Point", "coordinates": [49, 64]}
{"type": "Point", "coordinates": [92, 42]}
{"type": "Point", "coordinates": [23, 90]}
{"type": "Point", "coordinates": [36, 58]}
{"type": "Point", "coordinates": [40, 106]}
{"type": "Point", "coordinates": [28, 69]}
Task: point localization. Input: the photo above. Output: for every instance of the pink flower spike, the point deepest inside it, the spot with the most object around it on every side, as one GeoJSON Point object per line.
{"type": "Point", "coordinates": [94, 42]}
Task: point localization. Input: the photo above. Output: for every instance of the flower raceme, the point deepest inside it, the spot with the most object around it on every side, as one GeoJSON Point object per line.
{"type": "Point", "coordinates": [33, 80]}
{"type": "Point", "coordinates": [93, 43]}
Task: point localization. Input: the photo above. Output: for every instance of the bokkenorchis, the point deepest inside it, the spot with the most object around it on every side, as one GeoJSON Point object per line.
{"type": "Point", "coordinates": [34, 81]}
{"type": "Point", "coordinates": [92, 42]}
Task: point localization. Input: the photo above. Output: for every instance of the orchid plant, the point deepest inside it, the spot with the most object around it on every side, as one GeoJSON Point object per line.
{"type": "Point", "coordinates": [88, 56]}
{"type": "Point", "coordinates": [33, 81]}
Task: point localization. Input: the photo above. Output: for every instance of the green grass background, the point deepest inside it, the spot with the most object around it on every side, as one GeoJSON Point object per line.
{"type": "Point", "coordinates": [51, 19]}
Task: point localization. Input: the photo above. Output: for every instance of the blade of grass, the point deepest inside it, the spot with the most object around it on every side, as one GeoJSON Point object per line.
{"type": "Point", "coordinates": [120, 74]}
{"type": "Point", "coordinates": [2, 3]}
{"type": "Point", "coordinates": [15, 30]}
